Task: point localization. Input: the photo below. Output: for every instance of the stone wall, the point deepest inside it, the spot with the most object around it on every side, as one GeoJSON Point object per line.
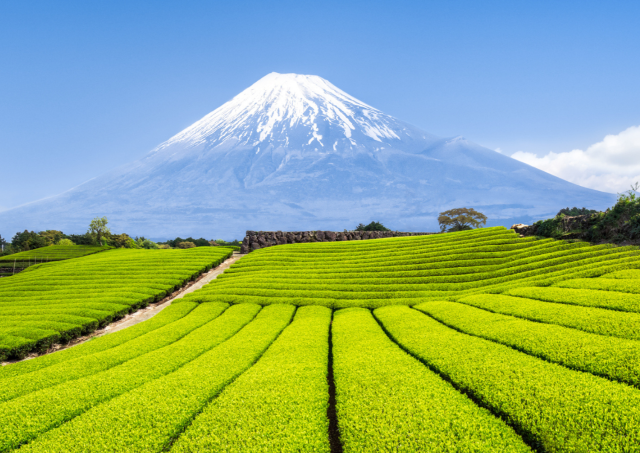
{"type": "Point", "coordinates": [255, 240]}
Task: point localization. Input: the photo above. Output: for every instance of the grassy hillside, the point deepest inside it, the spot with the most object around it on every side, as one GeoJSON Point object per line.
{"type": "Point", "coordinates": [54, 253]}
{"type": "Point", "coordinates": [471, 341]}
{"type": "Point", "coordinates": [55, 302]}
{"type": "Point", "coordinates": [11, 264]}
{"type": "Point", "coordinates": [407, 271]}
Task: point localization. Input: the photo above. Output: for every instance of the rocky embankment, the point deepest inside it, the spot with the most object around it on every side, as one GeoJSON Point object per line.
{"type": "Point", "coordinates": [569, 227]}
{"type": "Point", "coordinates": [255, 240]}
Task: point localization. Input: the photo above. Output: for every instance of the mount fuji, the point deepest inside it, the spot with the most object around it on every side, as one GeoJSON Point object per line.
{"type": "Point", "coordinates": [294, 152]}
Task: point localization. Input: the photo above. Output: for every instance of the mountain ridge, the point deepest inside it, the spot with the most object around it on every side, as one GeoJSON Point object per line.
{"type": "Point", "coordinates": [294, 152]}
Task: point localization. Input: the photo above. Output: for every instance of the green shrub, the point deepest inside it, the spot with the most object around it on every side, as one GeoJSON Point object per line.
{"type": "Point", "coordinates": [385, 398]}
{"type": "Point", "coordinates": [554, 408]}
{"type": "Point", "coordinates": [162, 408]}
{"type": "Point", "coordinates": [287, 387]}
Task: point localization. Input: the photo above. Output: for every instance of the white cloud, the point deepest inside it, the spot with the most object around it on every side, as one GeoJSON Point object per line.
{"type": "Point", "coordinates": [611, 165]}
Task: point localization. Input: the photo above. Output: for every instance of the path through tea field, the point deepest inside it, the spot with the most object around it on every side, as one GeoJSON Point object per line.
{"type": "Point", "coordinates": [469, 341]}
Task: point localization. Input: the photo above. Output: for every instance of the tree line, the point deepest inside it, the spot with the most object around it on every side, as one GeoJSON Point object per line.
{"type": "Point", "coordinates": [98, 234]}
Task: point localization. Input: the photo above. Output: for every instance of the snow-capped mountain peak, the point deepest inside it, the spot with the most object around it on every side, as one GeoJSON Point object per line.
{"type": "Point", "coordinates": [279, 107]}
{"type": "Point", "coordinates": [293, 152]}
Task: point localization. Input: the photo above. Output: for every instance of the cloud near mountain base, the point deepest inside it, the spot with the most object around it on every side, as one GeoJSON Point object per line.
{"type": "Point", "coordinates": [611, 165]}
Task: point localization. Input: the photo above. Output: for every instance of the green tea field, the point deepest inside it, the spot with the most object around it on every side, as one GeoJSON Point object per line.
{"type": "Point", "coordinates": [18, 261]}
{"type": "Point", "coordinates": [53, 253]}
{"type": "Point", "coordinates": [475, 341]}
{"type": "Point", "coordinates": [61, 300]}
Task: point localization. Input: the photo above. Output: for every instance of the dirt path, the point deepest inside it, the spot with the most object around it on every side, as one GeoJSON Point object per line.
{"type": "Point", "coordinates": [145, 313]}
{"type": "Point", "coordinates": [152, 310]}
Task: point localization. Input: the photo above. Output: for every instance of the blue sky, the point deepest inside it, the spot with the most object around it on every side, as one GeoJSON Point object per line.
{"type": "Point", "coordinates": [88, 86]}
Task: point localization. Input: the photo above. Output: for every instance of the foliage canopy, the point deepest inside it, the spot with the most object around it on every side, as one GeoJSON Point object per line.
{"type": "Point", "coordinates": [98, 229]}
{"type": "Point", "coordinates": [373, 226]}
{"type": "Point", "coordinates": [576, 211]}
{"type": "Point", "coordinates": [617, 224]}
{"type": "Point", "coordinates": [460, 219]}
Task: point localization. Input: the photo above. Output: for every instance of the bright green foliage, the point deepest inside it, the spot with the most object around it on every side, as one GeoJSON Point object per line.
{"type": "Point", "coordinates": [85, 293]}
{"type": "Point", "coordinates": [159, 411]}
{"type": "Point", "coordinates": [525, 343]}
{"type": "Point", "coordinates": [280, 404]}
{"type": "Point", "coordinates": [615, 358]}
{"type": "Point", "coordinates": [626, 274]}
{"type": "Point", "coordinates": [53, 253]}
{"type": "Point", "coordinates": [604, 284]}
{"type": "Point", "coordinates": [386, 399]}
{"type": "Point", "coordinates": [100, 361]}
{"type": "Point", "coordinates": [24, 418]}
{"type": "Point", "coordinates": [586, 297]}
{"type": "Point", "coordinates": [166, 316]}
{"type": "Point", "coordinates": [552, 407]}
{"type": "Point", "coordinates": [408, 270]}
{"type": "Point", "coordinates": [589, 319]}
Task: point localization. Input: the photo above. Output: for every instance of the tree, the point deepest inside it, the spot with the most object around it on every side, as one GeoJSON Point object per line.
{"type": "Point", "coordinates": [576, 211]}
{"type": "Point", "coordinates": [28, 240]}
{"type": "Point", "coordinates": [65, 241]}
{"type": "Point", "coordinates": [2, 243]}
{"type": "Point", "coordinates": [145, 243]}
{"type": "Point", "coordinates": [224, 243]}
{"type": "Point", "coordinates": [51, 236]}
{"type": "Point", "coordinates": [186, 245]}
{"type": "Point", "coordinates": [80, 239]}
{"type": "Point", "coordinates": [98, 228]}
{"type": "Point", "coordinates": [373, 226]}
{"type": "Point", "coordinates": [202, 242]}
{"type": "Point", "coordinates": [460, 219]}
{"type": "Point", "coordinates": [123, 241]}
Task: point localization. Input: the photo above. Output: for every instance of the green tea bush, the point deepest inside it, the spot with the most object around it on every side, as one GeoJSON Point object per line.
{"type": "Point", "coordinates": [554, 408]}
{"type": "Point", "coordinates": [279, 404]}
{"type": "Point", "coordinates": [401, 402]}
{"type": "Point", "coordinates": [614, 358]}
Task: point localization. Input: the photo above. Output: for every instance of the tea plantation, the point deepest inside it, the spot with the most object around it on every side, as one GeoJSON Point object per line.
{"type": "Point", "coordinates": [471, 341]}
{"type": "Point", "coordinates": [18, 261]}
{"type": "Point", "coordinates": [58, 301]}
{"type": "Point", "coordinates": [53, 253]}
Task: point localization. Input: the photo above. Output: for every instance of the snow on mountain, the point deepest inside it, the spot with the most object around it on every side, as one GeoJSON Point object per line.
{"type": "Point", "coordinates": [277, 104]}
{"type": "Point", "coordinates": [294, 152]}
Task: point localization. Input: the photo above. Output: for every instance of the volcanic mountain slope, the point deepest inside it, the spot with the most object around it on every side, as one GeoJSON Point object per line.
{"type": "Point", "coordinates": [294, 152]}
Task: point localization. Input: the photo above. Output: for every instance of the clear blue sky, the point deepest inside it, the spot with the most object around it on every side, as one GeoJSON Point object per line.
{"type": "Point", "coordinates": [88, 86]}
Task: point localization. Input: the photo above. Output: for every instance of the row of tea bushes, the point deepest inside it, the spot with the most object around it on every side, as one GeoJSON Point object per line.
{"type": "Point", "coordinates": [554, 408]}
{"type": "Point", "coordinates": [279, 404]}
{"type": "Point", "coordinates": [62, 300]}
{"type": "Point", "coordinates": [376, 273]}
{"type": "Point", "coordinates": [158, 411]}
{"type": "Point", "coordinates": [386, 398]}
{"type": "Point", "coordinates": [54, 253]}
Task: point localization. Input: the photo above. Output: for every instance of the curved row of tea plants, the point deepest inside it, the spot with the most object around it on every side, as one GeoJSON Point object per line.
{"type": "Point", "coordinates": [536, 348]}
{"type": "Point", "coordinates": [54, 253]}
{"type": "Point", "coordinates": [406, 271]}
{"type": "Point", "coordinates": [56, 302]}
